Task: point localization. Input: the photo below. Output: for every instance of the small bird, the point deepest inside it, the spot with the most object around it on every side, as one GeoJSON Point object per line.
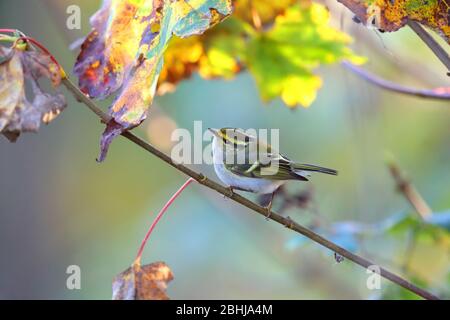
{"type": "Point", "coordinates": [243, 162]}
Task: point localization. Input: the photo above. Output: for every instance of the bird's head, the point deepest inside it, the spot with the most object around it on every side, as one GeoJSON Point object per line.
{"type": "Point", "coordinates": [231, 137]}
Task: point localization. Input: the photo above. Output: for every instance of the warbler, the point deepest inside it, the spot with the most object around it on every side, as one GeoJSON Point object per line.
{"type": "Point", "coordinates": [244, 162]}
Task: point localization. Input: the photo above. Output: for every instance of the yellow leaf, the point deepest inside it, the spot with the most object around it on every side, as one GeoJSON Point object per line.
{"type": "Point", "coordinates": [300, 91]}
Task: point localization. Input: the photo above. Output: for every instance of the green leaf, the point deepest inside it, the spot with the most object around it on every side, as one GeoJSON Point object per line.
{"type": "Point", "coordinates": [284, 58]}
{"type": "Point", "coordinates": [433, 229]}
{"type": "Point", "coordinates": [281, 55]}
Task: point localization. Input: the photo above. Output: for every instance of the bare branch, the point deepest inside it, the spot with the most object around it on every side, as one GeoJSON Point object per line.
{"type": "Point", "coordinates": [287, 222]}
{"type": "Point", "coordinates": [438, 93]}
{"type": "Point", "coordinates": [417, 202]}
{"type": "Point", "coordinates": [431, 43]}
{"type": "Point", "coordinates": [410, 192]}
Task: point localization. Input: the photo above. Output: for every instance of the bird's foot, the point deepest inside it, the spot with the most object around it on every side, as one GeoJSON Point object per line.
{"type": "Point", "coordinates": [268, 210]}
{"type": "Point", "coordinates": [269, 207]}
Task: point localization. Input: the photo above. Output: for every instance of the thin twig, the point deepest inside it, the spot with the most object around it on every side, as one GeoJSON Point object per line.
{"type": "Point", "coordinates": [419, 204]}
{"type": "Point", "coordinates": [158, 217]}
{"type": "Point", "coordinates": [438, 93]}
{"type": "Point", "coordinates": [287, 222]}
{"type": "Point", "coordinates": [43, 49]}
{"type": "Point", "coordinates": [6, 38]}
{"type": "Point", "coordinates": [440, 53]}
{"type": "Point", "coordinates": [410, 192]}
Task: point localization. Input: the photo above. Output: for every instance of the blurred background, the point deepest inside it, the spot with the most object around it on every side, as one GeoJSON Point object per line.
{"type": "Point", "coordinates": [58, 207]}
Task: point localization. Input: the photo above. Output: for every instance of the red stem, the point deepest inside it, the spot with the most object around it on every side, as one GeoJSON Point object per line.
{"type": "Point", "coordinates": [159, 216]}
{"type": "Point", "coordinates": [35, 42]}
{"type": "Point", "coordinates": [8, 30]}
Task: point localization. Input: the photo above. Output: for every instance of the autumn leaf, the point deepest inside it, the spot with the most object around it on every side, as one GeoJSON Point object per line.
{"type": "Point", "coordinates": [148, 282]}
{"type": "Point", "coordinates": [17, 114]}
{"type": "Point", "coordinates": [217, 53]}
{"type": "Point", "coordinates": [180, 61]}
{"type": "Point", "coordinates": [109, 52]}
{"type": "Point", "coordinates": [126, 48]}
{"type": "Point", "coordinates": [265, 10]}
{"type": "Point", "coordinates": [178, 18]}
{"type": "Point", "coordinates": [390, 15]}
{"type": "Point", "coordinates": [282, 57]}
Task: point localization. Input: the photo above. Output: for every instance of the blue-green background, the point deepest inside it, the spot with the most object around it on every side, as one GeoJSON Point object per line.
{"type": "Point", "coordinates": [59, 207]}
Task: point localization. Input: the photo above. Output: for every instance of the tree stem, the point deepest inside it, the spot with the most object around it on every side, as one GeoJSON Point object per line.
{"type": "Point", "coordinates": [287, 222]}
{"type": "Point", "coordinates": [440, 53]}
{"type": "Point", "coordinates": [410, 192]}
{"type": "Point", "coordinates": [439, 93]}
{"type": "Point", "coordinates": [158, 217]}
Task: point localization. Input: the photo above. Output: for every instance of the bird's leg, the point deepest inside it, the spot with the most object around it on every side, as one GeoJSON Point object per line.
{"type": "Point", "coordinates": [269, 206]}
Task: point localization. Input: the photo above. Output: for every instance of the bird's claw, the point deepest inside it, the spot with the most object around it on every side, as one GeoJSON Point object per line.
{"type": "Point", "coordinates": [269, 207]}
{"type": "Point", "coordinates": [268, 210]}
{"type": "Point", "coordinates": [269, 213]}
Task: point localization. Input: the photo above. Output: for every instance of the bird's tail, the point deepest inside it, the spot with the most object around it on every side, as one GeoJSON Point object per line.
{"type": "Point", "coordinates": [312, 168]}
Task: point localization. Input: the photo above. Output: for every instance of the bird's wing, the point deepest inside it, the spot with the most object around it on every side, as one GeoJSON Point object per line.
{"type": "Point", "coordinates": [277, 167]}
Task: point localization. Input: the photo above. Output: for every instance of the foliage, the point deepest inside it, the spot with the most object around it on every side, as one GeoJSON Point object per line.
{"type": "Point", "coordinates": [435, 228]}
{"type": "Point", "coordinates": [17, 114]}
{"type": "Point", "coordinates": [139, 282]}
{"type": "Point", "coordinates": [282, 53]}
{"type": "Point", "coordinates": [125, 50]}
{"type": "Point", "coordinates": [281, 45]}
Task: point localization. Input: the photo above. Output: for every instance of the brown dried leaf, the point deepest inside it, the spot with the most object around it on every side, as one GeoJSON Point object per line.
{"type": "Point", "coordinates": [11, 86]}
{"type": "Point", "coordinates": [17, 114]}
{"type": "Point", "coordinates": [148, 282]}
{"type": "Point", "coordinates": [37, 65]}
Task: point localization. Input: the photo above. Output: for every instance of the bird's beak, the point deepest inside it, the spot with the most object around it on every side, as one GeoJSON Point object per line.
{"type": "Point", "coordinates": [214, 131]}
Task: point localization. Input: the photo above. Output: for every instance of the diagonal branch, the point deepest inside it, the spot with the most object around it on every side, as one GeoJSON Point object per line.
{"type": "Point", "coordinates": [360, 9]}
{"type": "Point", "coordinates": [287, 222]}
{"type": "Point", "coordinates": [416, 201]}
{"type": "Point", "coordinates": [438, 93]}
{"type": "Point", "coordinates": [431, 43]}
{"type": "Point", "coordinates": [410, 192]}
